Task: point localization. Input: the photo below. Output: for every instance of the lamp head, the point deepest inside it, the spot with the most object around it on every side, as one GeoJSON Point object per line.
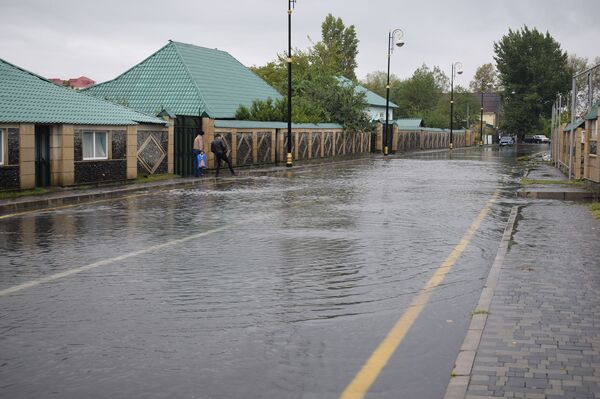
{"type": "Point", "coordinates": [400, 42]}
{"type": "Point", "coordinates": [459, 72]}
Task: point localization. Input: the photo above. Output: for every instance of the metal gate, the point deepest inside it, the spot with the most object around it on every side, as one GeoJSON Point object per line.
{"type": "Point", "coordinates": [42, 156]}
{"type": "Point", "coordinates": [186, 128]}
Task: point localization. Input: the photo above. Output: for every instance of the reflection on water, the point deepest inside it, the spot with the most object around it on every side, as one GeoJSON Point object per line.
{"type": "Point", "coordinates": [329, 244]}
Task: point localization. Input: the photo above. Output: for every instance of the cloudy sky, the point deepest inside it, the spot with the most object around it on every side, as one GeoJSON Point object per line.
{"type": "Point", "coordinates": [103, 38]}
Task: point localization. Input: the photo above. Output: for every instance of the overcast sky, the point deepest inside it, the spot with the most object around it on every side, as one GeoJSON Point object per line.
{"type": "Point", "coordinates": [103, 38]}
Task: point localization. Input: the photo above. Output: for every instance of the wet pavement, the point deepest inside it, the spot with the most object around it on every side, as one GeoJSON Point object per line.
{"type": "Point", "coordinates": [257, 287]}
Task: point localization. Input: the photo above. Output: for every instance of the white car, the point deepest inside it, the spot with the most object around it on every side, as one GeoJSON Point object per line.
{"type": "Point", "coordinates": [540, 138]}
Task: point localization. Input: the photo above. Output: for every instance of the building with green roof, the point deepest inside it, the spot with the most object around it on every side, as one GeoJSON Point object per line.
{"type": "Point", "coordinates": [376, 103]}
{"type": "Point", "coordinates": [197, 85]}
{"type": "Point", "coordinates": [52, 135]}
{"type": "Point", "coordinates": [187, 80]}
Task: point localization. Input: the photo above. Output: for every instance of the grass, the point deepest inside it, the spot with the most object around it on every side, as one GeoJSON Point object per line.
{"type": "Point", "coordinates": [22, 193]}
{"type": "Point", "coordinates": [525, 182]}
{"type": "Point", "coordinates": [595, 209]}
{"type": "Point", "coordinates": [152, 178]}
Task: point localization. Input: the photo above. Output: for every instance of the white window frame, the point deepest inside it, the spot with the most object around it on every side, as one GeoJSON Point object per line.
{"type": "Point", "coordinates": [94, 157]}
{"type": "Point", "coordinates": [2, 146]}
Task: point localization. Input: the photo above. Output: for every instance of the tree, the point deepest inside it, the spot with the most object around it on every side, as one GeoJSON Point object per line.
{"type": "Point", "coordinates": [317, 95]}
{"type": "Point", "coordinates": [377, 81]}
{"type": "Point", "coordinates": [582, 98]}
{"type": "Point", "coordinates": [421, 93]}
{"type": "Point", "coordinates": [338, 47]}
{"type": "Point", "coordinates": [485, 79]}
{"type": "Point", "coordinates": [533, 66]}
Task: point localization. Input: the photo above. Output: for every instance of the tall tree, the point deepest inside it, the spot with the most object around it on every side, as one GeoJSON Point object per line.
{"type": "Point", "coordinates": [338, 47]}
{"type": "Point", "coordinates": [376, 82]}
{"type": "Point", "coordinates": [420, 93]}
{"type": "Point", "coordinates": [533, 66]}
{"type": "Point", "coordinates": [485, 79]}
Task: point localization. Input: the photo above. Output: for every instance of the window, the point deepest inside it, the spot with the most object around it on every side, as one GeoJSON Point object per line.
{"type": "Point", "coordinates": [94, 145]}
{"type": "Point", "coordinates": [1, 147]}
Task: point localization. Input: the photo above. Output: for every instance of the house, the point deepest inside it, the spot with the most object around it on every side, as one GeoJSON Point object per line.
{"type": "Point", "coordinates": [81, 82]}
{"type": "Point", "coordinates": [376, 103]}
{"type": "Point", "coordinates": [491, 107]}
{"type": "Point", "coordinates": [74, 83]}
{"type": "Point", "coordinates": [196, 84]}
{"type": "Point", "coordinates": [52, 135]}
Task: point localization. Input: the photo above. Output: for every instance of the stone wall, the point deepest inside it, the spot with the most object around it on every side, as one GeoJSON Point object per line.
{"type": "Point", "coordinates": [424, 139]}
{"type": "Point", "coordinates": [9, 171]}
{"type": "Point", "coordinates": [152, 152]}
{"type": "Point", "coordinates": [95, 171]}
{"type": "Point", "coordinates": [256, 146]}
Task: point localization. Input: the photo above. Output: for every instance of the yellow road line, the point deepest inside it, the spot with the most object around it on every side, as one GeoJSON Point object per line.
{"type": "Point", "coordinates": [361, 383]}
{"type": "Point", "coordinates": [70, 272]}
{"type": "Point", "coordinates": [71, 205]}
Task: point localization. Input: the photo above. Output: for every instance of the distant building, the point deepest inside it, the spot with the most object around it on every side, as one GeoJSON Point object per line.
{"type": "Point", "coordinates": [376, 110]}
{"type": "Point", "coordinates": [491, 107]}
{"type": "Point", "coordinates": [79, 83]}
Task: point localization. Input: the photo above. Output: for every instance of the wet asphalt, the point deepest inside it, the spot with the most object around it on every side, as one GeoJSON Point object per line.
{"type": "Point", "coordinates": [256, 287]}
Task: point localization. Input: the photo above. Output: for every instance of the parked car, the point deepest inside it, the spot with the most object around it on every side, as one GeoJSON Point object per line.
{"type": "Point", "coordinates": [540, 138]}
{"type": "Point", "coordinates": [506, 141]}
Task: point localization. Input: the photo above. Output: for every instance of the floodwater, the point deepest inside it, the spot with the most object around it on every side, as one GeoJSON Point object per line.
{"type": "Point", "coordinates": [256, 287]}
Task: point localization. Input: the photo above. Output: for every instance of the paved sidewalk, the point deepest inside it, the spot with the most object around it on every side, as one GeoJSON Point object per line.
{"type": "Point", "coordinates": [541, 338]}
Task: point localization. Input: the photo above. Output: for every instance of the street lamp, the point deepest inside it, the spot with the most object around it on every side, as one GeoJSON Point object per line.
{"type": "Point", "coordinates": [481, 121]}
{"type": "Point", "coordinates": [456, 68]}
{"type": "Point", "coordinates": [395, 37]}
{"type": "Point", "coordinates": [288, 162]}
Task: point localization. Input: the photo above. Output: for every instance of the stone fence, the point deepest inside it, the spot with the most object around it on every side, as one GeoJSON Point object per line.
{"type": "Point", "coordinates": [423, 138]}
{"type": "Point", "coordinates": [256, 143]}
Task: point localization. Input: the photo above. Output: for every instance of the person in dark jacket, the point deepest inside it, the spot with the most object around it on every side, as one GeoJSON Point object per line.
{"type": "Point", "coordinates": [219, 148]}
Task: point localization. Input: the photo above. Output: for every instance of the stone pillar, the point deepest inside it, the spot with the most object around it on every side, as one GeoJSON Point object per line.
{"type": "Point", "coordinates": [170, 144]}
{"type": "Point", "coordinates": [65, 161]}
{"type": "Point", "coordinates": [27, 155]}
{"type": "Point", "coordinates": [208, 126]}
{"type": "Point", "coordinates": [131, 152]}
{"type": "Point", "coordinates": [379, 137]}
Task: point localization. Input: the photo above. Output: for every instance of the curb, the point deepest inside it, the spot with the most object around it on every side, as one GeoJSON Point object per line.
{"type": "Point", "coordinates": [461, 374]}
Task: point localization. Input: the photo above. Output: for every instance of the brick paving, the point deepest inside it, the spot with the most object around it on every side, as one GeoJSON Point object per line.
{"type": "Point", "coordinates": [542, 334]}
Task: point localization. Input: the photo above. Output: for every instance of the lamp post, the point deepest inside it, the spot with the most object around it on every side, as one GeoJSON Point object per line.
{"type": "Point", "coordinates": [288, 162]}
{"type": "Point", "coordinates": [481, 121]}
{"type": "Point", "coordinates": [395, 37]}
{"type": "Point", "coordinates": [456, 68]}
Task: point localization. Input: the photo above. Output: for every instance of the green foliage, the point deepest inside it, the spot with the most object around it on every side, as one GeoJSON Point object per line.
{"type": "Point", "coordinates": [377, 81]}
{"type": "Point", "coordinates": [317, 95]}
{"type": "Point", "coordinates": [338, 47]}
{"type": "Point", "coordinates": [533, 66]}
{"type": "Point", "coordinates": [485, 79]}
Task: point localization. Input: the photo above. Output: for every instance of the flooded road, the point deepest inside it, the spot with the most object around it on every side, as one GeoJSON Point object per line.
{"type": "Point", "coordinates": [259, 287]}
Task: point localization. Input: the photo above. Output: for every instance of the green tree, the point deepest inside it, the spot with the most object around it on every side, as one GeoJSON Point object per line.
{"type": "Point", "coordinates": [317, 95]}
{"type": "Point", "coordinates": [533, 66]}
{"type": "Point", "coordinates": [421, 93]}
{"type": "Point", "coordinates": [338, 47]}
{"type": "Point", "coordinates": [485, 79]}
{"type": "Point", "coordinates": [377, 81]}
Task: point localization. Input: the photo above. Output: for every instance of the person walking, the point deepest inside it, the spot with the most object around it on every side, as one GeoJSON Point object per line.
{"type": "Point", "coordinates": [219, 148]}
{"type": "Point", "coordinates": [198, 149]}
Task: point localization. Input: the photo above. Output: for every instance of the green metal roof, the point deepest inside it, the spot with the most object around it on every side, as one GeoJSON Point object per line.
{"type": "Point", "coordinates": [372, 98]}
{"type": "Point", "coordinates": [28, 98]}
{"type": "Point", "coordinates": [273, 125]}
{"type": "Point", "coordinates": [593, 114]}
{"type": "Point", "coordinates": [574, 125]}
{"type": "Point", "coordinates": [188, 80]}
{"type": "Point", "coordinates": [409, 123]}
